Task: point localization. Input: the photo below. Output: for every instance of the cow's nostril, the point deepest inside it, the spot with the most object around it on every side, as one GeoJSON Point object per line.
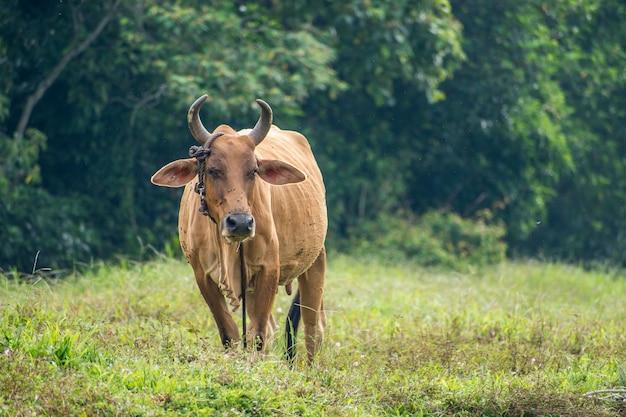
{"type": "Point", "coordinates": [231, 223]}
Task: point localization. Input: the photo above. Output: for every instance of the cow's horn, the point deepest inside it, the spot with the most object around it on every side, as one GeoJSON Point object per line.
{"type": "Point", "coordinates": [196, 127]}
{"type": "Point", "coordinates": [258, 133]}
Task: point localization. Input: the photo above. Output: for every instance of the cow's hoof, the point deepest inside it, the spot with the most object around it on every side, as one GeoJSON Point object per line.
{"type": "Point", "coordinates": [228, 343]}
{"type": "Point", "coordinates": [258, 342]}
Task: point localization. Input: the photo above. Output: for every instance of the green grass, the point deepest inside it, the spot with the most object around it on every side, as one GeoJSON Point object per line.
{"type": "Point", "coordinates": [517, 339]}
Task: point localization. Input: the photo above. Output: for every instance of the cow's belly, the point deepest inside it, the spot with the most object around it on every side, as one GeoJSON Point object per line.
{"type": "Point", "coordinates": [301, 224]}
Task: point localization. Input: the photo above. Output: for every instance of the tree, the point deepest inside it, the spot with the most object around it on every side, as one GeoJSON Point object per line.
{"type": "Point", "coordinates": [27, 211]}
{"type": "Point", "coordinates": [496, 142]}
{"type": "Point", "coordinates": [362, 143]}
{"type": "Point", "coordinates": [586, 218]}
{"type": "Point", "coordinates": [510, 110]}
{"type": "Point", "coordinates": [118, 111]}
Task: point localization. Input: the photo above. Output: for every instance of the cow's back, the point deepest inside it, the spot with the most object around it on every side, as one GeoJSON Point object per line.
{"type": "Point", "coordinates": [299, 209]}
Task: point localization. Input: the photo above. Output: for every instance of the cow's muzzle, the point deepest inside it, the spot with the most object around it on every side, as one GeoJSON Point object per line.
{"type": "Point", "coordinates": [238, 227]}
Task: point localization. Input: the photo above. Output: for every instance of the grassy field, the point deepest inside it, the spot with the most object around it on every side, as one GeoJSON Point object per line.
{"type": "Point", "coordinates": [517, 339]}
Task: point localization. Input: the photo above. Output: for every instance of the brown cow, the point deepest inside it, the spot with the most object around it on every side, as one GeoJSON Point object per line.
{"type": "Point", "coordinates": [262, 187]}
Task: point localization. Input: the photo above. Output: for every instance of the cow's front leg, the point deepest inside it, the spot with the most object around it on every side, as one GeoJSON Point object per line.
{"type": "Point", "coordinates": [261, 294]}
{"type": "Point", "coordinates": [215, 300]}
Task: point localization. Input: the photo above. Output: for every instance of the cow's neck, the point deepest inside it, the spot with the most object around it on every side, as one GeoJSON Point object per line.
{"type": "Point", "coordinates": [229, 280]}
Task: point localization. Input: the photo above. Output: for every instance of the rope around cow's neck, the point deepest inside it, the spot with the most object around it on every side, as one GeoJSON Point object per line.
{"type": "Point", "coordinates": [201, 153]}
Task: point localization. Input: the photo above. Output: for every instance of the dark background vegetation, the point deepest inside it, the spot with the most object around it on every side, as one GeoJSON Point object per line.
{"type": "Point", "coordinates": [488, 120]}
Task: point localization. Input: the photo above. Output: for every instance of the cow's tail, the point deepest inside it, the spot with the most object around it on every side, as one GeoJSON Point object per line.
{"type": "Point", "coordinates": [291, 328]}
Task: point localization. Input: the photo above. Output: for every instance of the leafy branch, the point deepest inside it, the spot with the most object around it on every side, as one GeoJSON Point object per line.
{"type": "Point", "coordinates": [74, 49]}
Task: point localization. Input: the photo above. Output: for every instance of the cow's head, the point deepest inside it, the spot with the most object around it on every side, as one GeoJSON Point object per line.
{"type": "Point", "coordinates": [231, 170]}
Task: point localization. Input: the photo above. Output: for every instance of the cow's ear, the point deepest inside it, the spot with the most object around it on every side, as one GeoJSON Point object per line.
{"type": "Point", "coordinates": [176, 174]}
{"type": "Point", "coordinates": [279, 173]}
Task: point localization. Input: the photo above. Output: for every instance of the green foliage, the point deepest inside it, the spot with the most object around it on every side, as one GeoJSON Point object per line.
{"type": "Point", "coordinates": [43, 231]}
{"type": "Point", "coordinates": [391, 54]}
{"type": "Point", "coordinates": [127, 98]}
{"type": "Point", "coordinates": [439, 239]}
{"type": "Point", "coordinates": [32, 221]}
{"type": "Point", "coordinates": [512, 107]}
{"type": "Point", "coordinates": [497, 141]}
{"type": "Point", "coordinates": [513, 339]}
{"type": "Point", "coordinates": [281, 66]}
{"type": "Point", "coordinates": [384, 42]}
{"type": "Point", "coordinates": [589, 203]}
{"type": "Point", "coordinates": [19, 160]}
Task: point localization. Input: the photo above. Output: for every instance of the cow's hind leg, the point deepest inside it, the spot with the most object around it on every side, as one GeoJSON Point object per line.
{"type": "Point", "coordinates": [291, 328]}
{"type": "Point", "coordinates": [216, 302]}
{"type": "Point", "coordinates": [311, 290]}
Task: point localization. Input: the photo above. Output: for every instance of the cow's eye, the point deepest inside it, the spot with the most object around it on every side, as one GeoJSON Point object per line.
{"type": "Point", "coordinates": [214, 173]}
{"type": "Point", "coordinates": [253, 173]}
